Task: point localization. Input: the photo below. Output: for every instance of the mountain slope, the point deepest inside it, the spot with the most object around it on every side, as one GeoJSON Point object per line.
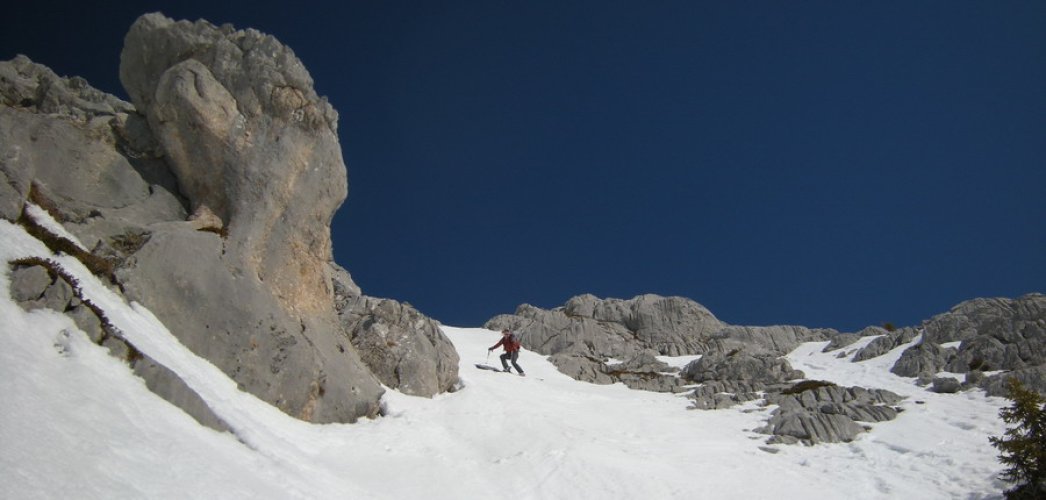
{"type": "Point", "coordinates": [78, 423]}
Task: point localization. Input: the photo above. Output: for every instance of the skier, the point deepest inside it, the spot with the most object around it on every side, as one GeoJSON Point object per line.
{"type": "Point", "coordinates": [511, 346]}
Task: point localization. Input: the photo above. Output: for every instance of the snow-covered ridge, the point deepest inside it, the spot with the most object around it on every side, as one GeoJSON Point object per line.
{"type": "Point", "coordinates": [77, 423]}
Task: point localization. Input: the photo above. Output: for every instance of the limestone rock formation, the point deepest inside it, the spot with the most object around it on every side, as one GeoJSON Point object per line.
{"type": "Point", "coordinates": [211, 198]}
{"type": "Point", "coordinates": [257, 298]}
{"type": "Point", "coordinates": [247, 137]}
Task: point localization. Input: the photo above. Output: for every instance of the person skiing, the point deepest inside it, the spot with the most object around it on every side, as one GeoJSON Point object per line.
{"type": "Point", "coordinates": [511, 345]}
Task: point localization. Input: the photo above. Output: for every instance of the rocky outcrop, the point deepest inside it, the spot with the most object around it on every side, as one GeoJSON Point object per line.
{"type": "Point", "coordinates": [210, 200]}
{"type": "Point", "coordinates": [720, 394]}
{"type": "Point", "coordinates": [825, 413]}
{"type": "Point", "coordinates": [645, 372]}
{"type": "Point", "coordinates": [757, 369]}
{"type": "Point", "coordinates": [405, 349]}
{"type": "Point", "coordinates": [582, 367]}
{"type": "Point", "coordinates": [1031, 377]}
{"type": "Point", "coordinates": [617, 328]}
{"type": "Point", "coordinates": [998, 334]}
{"type": "Point", "coordinates": [586, 332]}
{"type": "Point", "coordinates": [885, 343]}
{"type": "Point", "coordinates": [923, 359]}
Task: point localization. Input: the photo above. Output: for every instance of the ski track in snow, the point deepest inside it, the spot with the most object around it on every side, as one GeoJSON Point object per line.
{"type": "Point", "coordinates": [79, 424]}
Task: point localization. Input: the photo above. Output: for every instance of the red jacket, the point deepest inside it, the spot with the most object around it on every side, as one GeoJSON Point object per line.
{"type": "Point", "coordinates": [510, 343]}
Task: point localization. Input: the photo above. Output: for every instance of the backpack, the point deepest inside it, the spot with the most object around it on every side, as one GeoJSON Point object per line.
{"type": "Point", "coordinates": [513, 342]}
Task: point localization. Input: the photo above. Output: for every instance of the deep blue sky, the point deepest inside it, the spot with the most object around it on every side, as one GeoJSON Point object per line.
{"type": "Point", "coordinates": [824, 163]}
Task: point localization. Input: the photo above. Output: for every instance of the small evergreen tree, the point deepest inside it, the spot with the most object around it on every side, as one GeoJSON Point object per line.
{"type": "Point", "coordinates": [1023, 448]}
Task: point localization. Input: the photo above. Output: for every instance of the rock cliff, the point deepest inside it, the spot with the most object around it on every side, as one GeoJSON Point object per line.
{"type": "Point", "coordinates": [210, 200]}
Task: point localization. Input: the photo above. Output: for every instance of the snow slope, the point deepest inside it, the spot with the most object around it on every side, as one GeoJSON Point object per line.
{"type": "Point", "coordinates": [77, 423]}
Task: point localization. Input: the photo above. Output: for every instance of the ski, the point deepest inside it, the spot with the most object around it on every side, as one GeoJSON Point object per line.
{"type": "Point", "coordinates": [482, 366]}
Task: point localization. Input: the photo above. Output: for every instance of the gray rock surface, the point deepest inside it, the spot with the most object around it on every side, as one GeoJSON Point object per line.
{"type": "Point", "coordinates": [993, 334]}
{"type": "Point", "coordinates": [582, 367]}
{"type": "Point", "coordinates": [645, 372]}
{"type": "Point", "coordinates": [306, 368]}
{"type": "Point", "coordinates": [886, 343]}
{"type": "Point", "coordinates": [946, 385]}
{"type": "Point", "coordinates": [28, 283]}
{"type": "Point", "coordinates": [1032, 377]}
{"type": "Point", "coordinates": [827, 414]}
{"type": "Point", "coordinates": [246, 136]}
{"type": "Point", "coordinates": [258, 299]}
{"type": "Point", "coordinates": [403, 348]}
{"type": "Point", "coordinates": [616, 328]}
{"type": "Point", "coordinates": [760, 370]}
{"type": "Point", "coordinates": [34, 87]}
{"type": "Point", "coordinates": [719, 394]}
{"type": "Point", "coordinates": [669, 325]}
{"type": "Point", "coordinates": [925, 358]}
{"type": "Point", "coordinates": [842, 340]}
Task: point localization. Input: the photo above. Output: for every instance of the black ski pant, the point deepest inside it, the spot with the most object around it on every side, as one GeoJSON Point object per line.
{"type": "Point", "coordinates": [510, 356]}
